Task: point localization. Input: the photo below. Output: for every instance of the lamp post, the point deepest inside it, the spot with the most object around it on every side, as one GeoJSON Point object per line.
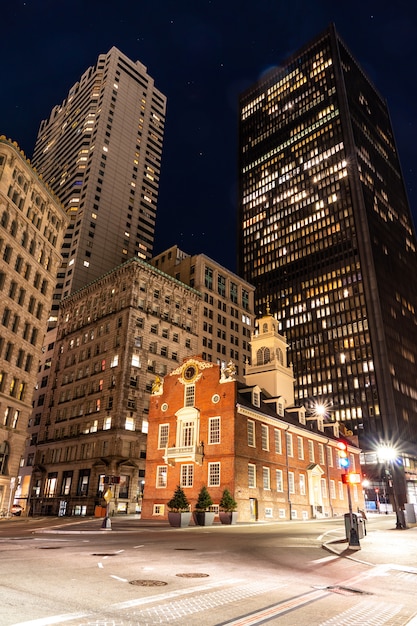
{"type": "Point", "coordinates": [387, 455]}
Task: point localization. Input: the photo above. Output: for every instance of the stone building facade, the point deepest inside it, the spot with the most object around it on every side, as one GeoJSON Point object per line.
{"type": "Point", "coordinates": [32, 226]}
{"type": "Point", "coordinates": [209, 428]}
{"type": "Point", "coordinates": [115, 337]}
{"type": "Point", "coordinates": [226, 321]}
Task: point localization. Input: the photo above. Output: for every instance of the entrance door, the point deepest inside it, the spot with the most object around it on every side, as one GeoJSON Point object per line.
{"type": "Point", "coordinates": [253, 504]}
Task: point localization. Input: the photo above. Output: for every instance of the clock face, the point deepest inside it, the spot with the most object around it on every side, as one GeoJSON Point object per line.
{"type": "Point", "coordinates": [190, 372]}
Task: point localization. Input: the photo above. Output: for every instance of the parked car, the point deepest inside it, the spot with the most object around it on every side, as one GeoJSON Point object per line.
{"type": "Point", "coordinates": [16, 509]}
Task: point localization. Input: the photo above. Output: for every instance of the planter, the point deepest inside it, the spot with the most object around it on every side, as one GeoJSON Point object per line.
{"type": "Point", "coordinates": [179, 520]}
{"type": "Point", "coordinates": [203, 518]}
{"type": "Point", "coordinates": [228, 517]}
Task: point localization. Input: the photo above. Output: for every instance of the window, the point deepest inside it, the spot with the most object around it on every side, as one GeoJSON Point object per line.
{"type": "Point", "coordinates": [321, 454]}
{"type": "Point", "coordinates": [291, 482]}
{"type": "Point", "coordinates": [208, 277]}
{"type": "Point", "coordinates": [310, 451]}
{"type": "Point", "coordinates": [221, 285]}
{"type": "Point", "coordinates": [233, 292]}
{"type": "Point", "coordinates": [214, 430]}
{"type": "Point", "coordinates": [130, 423]}
{"type": "Point", "coordinates": [289, 444]}
{"type": "Point", "coordinates": [277, 441]}
{"type": "Point", "coordinates": [4, 457]}
{"type": "Point", "coordinates": [279, 479]}
{"type": "Point", "coordinates": [302, 482]}
{"type": "Point", "coordinates": [189, 395]}
{"type": "Point", "coordinates": [265, 437]}
{"type": "Point", "coordinates": [187, 434]}
{"type": "Point", "coordinates": [300, 448]}
{"type": "Point", "coordinates": [51, 484]}
{"type": "Point", "coordinates": [66, 483]}
{"type": "Point", "coordinates": [332, 490]}
{"type": "Point", "coordinates": [161, 476]}
{"type": "Point", "coordinates": [213, 479]}
{"type": "Point", "coordinates": [251, 475]}
{"type": "Point", "coordinates": [251, 433]}
{"type": "Point", "coordinates": [107, 423]}
{"type": "Point", "coordinates": [329, 456]}
{"type": "Point", "coordinates": [323, 487]}
{"type": "Point", "coordinates": [163, 435]}
{"type": "Point", "coordinates": [83, 480]}
{"type": "Point", "coordinates": [266, 478]}
{"type": "Point", "coordinates": [187, 474]}
{"type": "Point", "coordinates": [341, 491]}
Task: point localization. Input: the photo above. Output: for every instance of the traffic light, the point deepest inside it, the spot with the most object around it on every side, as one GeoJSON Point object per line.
{"type": "Point", "coordinates": [343, 455]}
{"type": "Point", "coordinates": [351, 478]}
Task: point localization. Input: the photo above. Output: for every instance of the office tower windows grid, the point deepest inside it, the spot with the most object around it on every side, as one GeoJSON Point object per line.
{"type": "Point", "coordinates": [326, 237]}
{"type": "Point", "coordinates": [100, 151]}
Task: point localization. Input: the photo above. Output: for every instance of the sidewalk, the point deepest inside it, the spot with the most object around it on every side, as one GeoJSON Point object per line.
{"type": "Point", "coordinates": [382, 546]}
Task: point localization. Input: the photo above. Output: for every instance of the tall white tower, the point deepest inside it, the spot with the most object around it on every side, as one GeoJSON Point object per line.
{"type": "Point", "coordinates": [269, 369]}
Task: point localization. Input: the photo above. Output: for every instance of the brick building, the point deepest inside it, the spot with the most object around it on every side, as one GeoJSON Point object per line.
{"type": "Point", "coordinates": [209, 427]}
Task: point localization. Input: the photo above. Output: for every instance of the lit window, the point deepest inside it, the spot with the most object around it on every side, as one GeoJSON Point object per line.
{"type": "Point", "coordinates": [214, 430]}
{"type": "Point", "coordinates": [266, 480]}
{"type": "Point", "coordinates": [213, 474]}
{"type": "Point", "coordinates": [129, 423]}
{"type": "Point", "coordinates": [161, 476]}
{"type": "Point", "coordinates": [163, 435]}
{"type": "Point", "coordinates": [251, 433]}
{"type": "Point", "coordinates": [251, 475]}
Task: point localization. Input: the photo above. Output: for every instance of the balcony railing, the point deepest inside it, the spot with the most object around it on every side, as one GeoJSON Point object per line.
{"type": "Point", "coordinates": [193, 454]}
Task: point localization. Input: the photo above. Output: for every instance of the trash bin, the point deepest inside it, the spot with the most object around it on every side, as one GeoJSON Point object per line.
{"type": "Point", "coordinates": [358, 524]}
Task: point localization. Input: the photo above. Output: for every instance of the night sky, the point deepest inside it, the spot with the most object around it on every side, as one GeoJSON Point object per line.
{"type": "Point", "coordinates": [202, 54]}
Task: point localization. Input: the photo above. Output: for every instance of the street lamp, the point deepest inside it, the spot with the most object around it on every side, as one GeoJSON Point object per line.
{"type": "Point", "coordinates": [387, 455]}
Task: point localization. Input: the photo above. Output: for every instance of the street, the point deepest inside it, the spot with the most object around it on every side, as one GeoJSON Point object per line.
{"type": "Point", "coordinates": [73, 572]}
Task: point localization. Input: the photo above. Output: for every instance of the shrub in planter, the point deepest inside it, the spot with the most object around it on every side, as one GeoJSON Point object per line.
{"type": "Point", "coordinates": [201, 516]}
{"type": "Point", "coordinates": [228, 506]}
{"type": "Point", "coordinates": [179, 514]}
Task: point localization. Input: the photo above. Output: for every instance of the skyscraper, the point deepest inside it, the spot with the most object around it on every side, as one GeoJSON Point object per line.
{"type": "Point", "coordinates": [327, 239]}
{"type": "Point", "coordinates": [100, 152]}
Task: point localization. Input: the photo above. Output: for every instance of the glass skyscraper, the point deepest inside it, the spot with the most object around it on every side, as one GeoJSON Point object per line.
{"type": "Point", "coordinates": [327, 239]}
{"type": "Point", "coordinates": [100, 152]}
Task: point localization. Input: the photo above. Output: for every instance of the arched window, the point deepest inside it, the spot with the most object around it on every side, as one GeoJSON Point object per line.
{"type": "Point", "coordinates": [264, 328]}
{"type": "Point", "coordinates": [4, 457]}
{"type": "Point", "coordinates": [280, 356]}
{"type": "Point", "coordinates": [263, 356]}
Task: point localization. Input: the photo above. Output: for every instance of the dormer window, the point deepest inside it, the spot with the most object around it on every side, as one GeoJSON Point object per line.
{"type": "Point", "coordinates": [256, 398]}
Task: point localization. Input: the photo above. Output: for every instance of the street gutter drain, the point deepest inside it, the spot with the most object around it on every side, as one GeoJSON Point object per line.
{"type": "Point", "coordinates": [104, 554]}
{"type": "Point", "coordinates": [49, 547]}
{"type": "Point", "coordinates": [347, 591]}
{"type": "Point", "coordinates": [184, 548]}
{"type": "Point", "coordinates": [193, 575]}
{"type": "Point", "coordinates": [148, 583]}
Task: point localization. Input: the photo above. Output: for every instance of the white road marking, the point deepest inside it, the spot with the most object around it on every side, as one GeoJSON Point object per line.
{"type": "Point", "coordinates": [122, 580]}
{"type": "Point", "coordinates": [100, 565]}
{"type": "Point", "coordinates": [55, 619]}
{"type": "Point", "coordinates": [324, 559]}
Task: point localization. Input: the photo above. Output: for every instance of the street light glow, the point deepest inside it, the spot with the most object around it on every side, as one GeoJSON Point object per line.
{"type": "Point", "coordinates": [386, 453]}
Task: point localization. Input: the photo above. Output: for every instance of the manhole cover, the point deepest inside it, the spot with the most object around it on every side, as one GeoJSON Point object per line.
{"type": "Point", "coordinates": [103, 554]}
{"type": "Point", "coordinates": [192, 575]}
{"type": "Point", "coordinates": [148, 583]}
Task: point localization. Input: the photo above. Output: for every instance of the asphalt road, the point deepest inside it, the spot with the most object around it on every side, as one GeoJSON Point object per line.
{"type": "Point", "coordinates": [137, 574]}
